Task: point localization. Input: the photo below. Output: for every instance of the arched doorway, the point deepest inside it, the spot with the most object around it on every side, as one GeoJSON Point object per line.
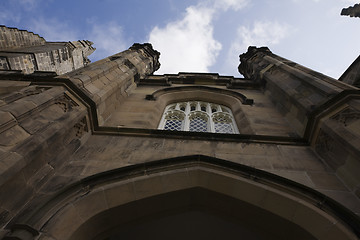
{"type": "Point", "coordinates": [195, 213]}
{"type": "Point", "coordinates": [193, 197]}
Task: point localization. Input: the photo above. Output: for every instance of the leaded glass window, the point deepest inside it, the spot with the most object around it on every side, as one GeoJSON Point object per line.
{"type": "Point", "coordinates": [174, 120]}
{"type": "Point", "coordinates": [198, 122]}
{"type": "Point", "coordinates": [198, 116]}
{"type": "Point", "coordinates": [222, 123]}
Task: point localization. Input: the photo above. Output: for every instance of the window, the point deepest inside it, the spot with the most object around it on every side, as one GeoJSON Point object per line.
{"type": "Point", "coordinates": [197, 116]}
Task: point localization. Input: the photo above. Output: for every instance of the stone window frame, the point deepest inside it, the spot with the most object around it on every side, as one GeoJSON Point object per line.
{"type": "Point", "coordinates": [178, 116]}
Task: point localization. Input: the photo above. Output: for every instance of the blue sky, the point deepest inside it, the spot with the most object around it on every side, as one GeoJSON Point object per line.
{"type": "Point", "coordinates": [199, 35]}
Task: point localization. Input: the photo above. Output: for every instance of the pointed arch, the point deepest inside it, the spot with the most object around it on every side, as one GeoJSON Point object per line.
{"type": "Point", "coordinates": [90, 207]}
{"type": "Point", "coordinates": [241, 97]}
{"type": "Point", "coordinates": [231, 99]}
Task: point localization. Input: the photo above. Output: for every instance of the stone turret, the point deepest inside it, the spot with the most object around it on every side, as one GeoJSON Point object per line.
{"type": "Point", "coordinates": [42, 125]}
{"type": "Point", "coordinates": [324, 111]}
{"type": "Point", "coordinates": [296, 90]}
{"type": "Point", "coordinates": [353, 11]}
{"type": "Point", "coordinates": [112, 79]}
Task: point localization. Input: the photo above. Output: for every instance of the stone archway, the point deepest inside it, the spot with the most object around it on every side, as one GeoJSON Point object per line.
{"type": "Point", "coordinates": [143, 197]}
{"type": "Point", "coordinates": [194, 213]}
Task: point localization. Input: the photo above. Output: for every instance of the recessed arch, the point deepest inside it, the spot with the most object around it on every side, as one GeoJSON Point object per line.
{"type": "Point", "coordinates": [164, 188]}
{"type": "Point", "coordinates": [243, 99]}
{"type": "Point", "coordinates": [233, 100]}
{"type": "Point", "coordinates": [191, 213]}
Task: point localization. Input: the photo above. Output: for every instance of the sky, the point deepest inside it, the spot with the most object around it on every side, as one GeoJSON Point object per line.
{"type": "Point", "coordinates": [199, 35]}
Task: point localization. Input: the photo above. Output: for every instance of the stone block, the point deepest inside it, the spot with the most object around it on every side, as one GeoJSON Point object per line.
{"type": "Point", "coordinates": [14, 200]}
{"type": "Point", "coordinates": [13, 136]}
{"type": "Point", "coordinates": [280, 204]}
{"type": "Point", "coordinates": [64, 223]}
{"type": "Point", "coordinates": [19, 108]}
{"type": "Point", "coordinates": [298, 158]}
{"type": "Point", "coordinates": [148, 186]}
{"type": "Point", "coordinates": [296, 176]}
{"type": "Point", "coordinates": [313, 220]}
{"type": "Point", "coordinates": [260, 162]}
{"type": "Point", "coordinates": [120, 193]}
{"type": "Point", "coordinates": [346, 198]}
{"type": "Point", "coordinates": [325, 180]}
{"type": "Point", "coordinates": [40, 99]}
{"type": "Point", "coordinates": [10, 164]}
{"type": "Point", "coordinates": [91, 88]}
{"type": "Point", "coordinates": [56, 183]}
{"type": "Point", "coordinates": [349, 172]}
{"type": "Point", "coordinates": [46, 237]}
{"type": "Point", "coordinates": [91, 204]}
{"type": "Point", "coordinates": [6, 120]}
{"type": "Point", "coordinates": [175, 180]}
{"type": "Point", "coordinates": [338, 231]}
{"type": "Point", "coordinates": [32, 125]}
{"type": "Point", "coordinates": [40, 176]}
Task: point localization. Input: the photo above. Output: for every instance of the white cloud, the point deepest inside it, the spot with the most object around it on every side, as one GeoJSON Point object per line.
{"type": "Point", "coordinates": [302, 1]}
{"type": "Point", "coordinates": [263, 33]}
{"type": "Point", "coordinates": [9, 16]}
{"type": "Point", "coordinates": [227, 4]}
{"type": "Point", "coordinates": [350, 1]}
{"type": "Point", "coordinates": [108, 39]}
{"type": "Point", "coordinates": [188, 44]}
{"type": "Point", "coordinates": [53, 29]}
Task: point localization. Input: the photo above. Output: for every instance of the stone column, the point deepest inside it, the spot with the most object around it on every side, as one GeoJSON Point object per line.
{"type": "Point", "coordinates": [108, 81]}
{"type": "Point", "coordinates": [324, 111]}
{"type": "Point", "coordinates": [296, 90]}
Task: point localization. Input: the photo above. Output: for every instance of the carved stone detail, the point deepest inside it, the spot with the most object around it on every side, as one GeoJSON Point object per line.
{"type": "Point", "coordinates": [81, 127]}
{"type": "Point", "coordinates": [31, 90]}
{"type": "Point", "coordinates": [66, 103]}
{"type": "Point", "coordinates": [346, 116]}
{"type": "Point", "coordinates": [76, 132]}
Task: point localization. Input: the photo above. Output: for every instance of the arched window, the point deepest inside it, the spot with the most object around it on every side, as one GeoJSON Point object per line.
{"type": "Point", "coordinates": [198, 116]}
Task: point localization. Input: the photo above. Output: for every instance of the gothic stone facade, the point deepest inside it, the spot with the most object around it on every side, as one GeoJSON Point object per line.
{"type": "Point", "coordinates": [81, 155]}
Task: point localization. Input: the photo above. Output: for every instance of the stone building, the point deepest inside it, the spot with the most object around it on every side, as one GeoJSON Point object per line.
{"type": "Point", "coordinates": [352, 11]}
{"type": "Point", "coordinates": [26, 51]}
{"type": "Point", "coordinates": [111, 151]}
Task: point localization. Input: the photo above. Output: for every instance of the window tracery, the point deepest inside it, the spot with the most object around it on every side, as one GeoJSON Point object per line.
{"type": "Point", "coordinates": [198, 116]}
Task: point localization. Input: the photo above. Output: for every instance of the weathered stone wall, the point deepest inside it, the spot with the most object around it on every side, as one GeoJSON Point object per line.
{"type": "Point", "coordinates": [109, 81]}
{"type": "Point", "coordinates": [19, 61]}
{"type": "Point", "coordinates": [40, 127]}
{"type": "Point", "coordinates": [298, 163]}
{"type": "Point", "coordinates": [46, 143]}
{"type": "Point", "coordinates": [295, 90]}
{"type": "Point", "coordinates": [260, 118]}
{"type": "Point", "coordinates": [15, 38]}
{"type": "Point", "coordinates": [338, 141]}
{"type": "Point", "coordinates": [57, 57]}
{"type": "Point", "coordinates": [81, 49]}
{"type": "Point", "coordinates": [307, 98]}
{"type": "Point", "coordinates": [352, 74]}
{"type": "Point", "coordinates": [26, 51]}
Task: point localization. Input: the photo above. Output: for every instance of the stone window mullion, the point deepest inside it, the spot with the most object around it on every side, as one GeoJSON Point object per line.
{"type": "Point", "coordinates": [198, 116]}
